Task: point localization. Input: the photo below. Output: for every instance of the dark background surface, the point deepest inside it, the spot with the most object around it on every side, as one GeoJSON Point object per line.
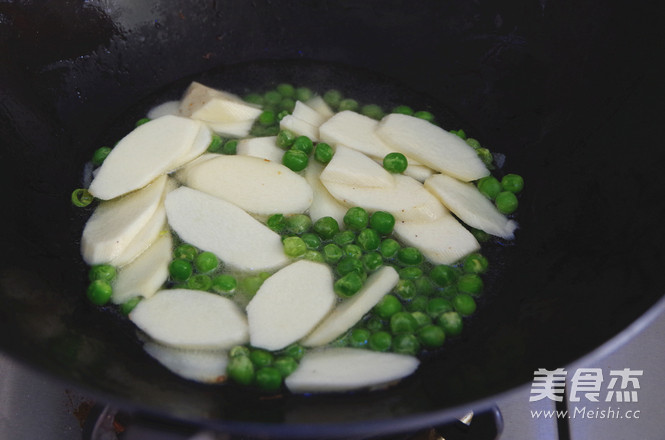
{"type": "Point", "coordinates": [570, 91]}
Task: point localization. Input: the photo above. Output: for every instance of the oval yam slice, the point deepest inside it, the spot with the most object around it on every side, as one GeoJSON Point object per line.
{"type": "Point", "coordinates": [207, 366]}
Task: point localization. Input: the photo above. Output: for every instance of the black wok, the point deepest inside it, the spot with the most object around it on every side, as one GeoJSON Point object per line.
{"type": "Point", "coordinates": [569, 91]}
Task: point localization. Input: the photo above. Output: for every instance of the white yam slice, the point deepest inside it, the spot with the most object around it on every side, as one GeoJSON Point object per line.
{"type": "Point", "coordinates": [191, 319]}
{"type": "Point", "coordinates": [262, 147]}
{"type": "Point", "coordinates": [115, 223]}
{"type": "Point", "coordinates": [147, 152]}
{"type": "Point", "coordinates": [442, 241]}
{"type": "Point", "coordinates": [207, 366]}
{"type": "Point", "coordinates": [418, 172]}
{"type": "Point", "coordinates": [306, 113]}
{"type": "Point", "coordinates": [200, 101]}
{"type": "Point", "coordinates": [323, 204]}
{"type": "Point", "coordinates": [432, 146]}
{"type": "Point", "coordinates": [349, 312]}
{"type": "Point", "coordinates": [166, 108]}
{"type": "Point", "coordinates": [146, 274]}
{"type": "Point", "coordinates": [471, 206]}
{"type": "Point", "coordinates": [236, 129]}
{"type": "Point", "coordinates": [215, 225]}
{"type": "Point", "coordinates": [351, 167]}
{"type": "Point", "coordinates": [258, 186]}
{"type": "Point", "coordinates": [182, 173]}
{"type": "Point", "coordinates": [407, 200]}
{"type": "Point", "coordinates": [299, 127]}
{"type": "Point", "coordinates": [320, 106]}
{"type": "Point", "coordinates": [354, 131]}
{"type": "Point", "coordinates": [144, 238]}
{"type": "Point", "coordinates": [199, 146]}
{"type": "Point", "coordinates": [289, 304]}
{"type": "Point", "coordinates": [345, 369]}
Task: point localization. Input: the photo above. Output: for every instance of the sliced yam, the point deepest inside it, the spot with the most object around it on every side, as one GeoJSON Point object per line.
{"type": "Point", "coordinates": [199, 146]}
{"type": "Point", "coordinates": [299, 127]}
{"type": "Point", "coordinates": [146, 273]}
{"type": "Point", "coordinates": [147, 152]}
{"type": "Point", "coordinates": [442, 241]}
{"type": "Point", "coordinates": [262, 147]}
{"type": "Point", "coordinates": [351, 167]}
{"type": "Point", "coordinates": [144, 238]}
{"type": "Point", "coordinates": [191, 319]}
{"type": "Point", "coordinates": [166, 108]}
{"type": "Point", "coordinates": [115, 223]}
{"type": "Point", "coordinates": [419, 172]}
{"type": "Point", "coordinates": [349, 312]}
{"type": "Point", "coordinates": [306, 113]}
{"type": "Point", "coordinates": [407, 200]}
{"type": "Point", "coordinates": [320, 106]}
{"type": "Point", "coordinates": [207, 366]}
{"type": "Point", "coordinates": [431, 146]}
{"type": "Point", "coordinates": [182, 173]}
{"type": "Point", "coordinates": [289, 304]}
{"type": "Point", "coordinates": [323, 204]}
{"type": "Point", "coordinates": [215, 225]}
{"type": "Point", "coordinates": [197, 95]}
{"type": "Point", "coordinates": [345, 369]}
{"type": "Point", "coordinates": [258, 186]}
{"type": "Point", "coordinates": [355, 131]}
{"type": "Point", "coordinates": [231, 129]}
{"type": "Point", "coordinates": [471, 206]}
{"type": "Point", "coordinates": [226, 110]}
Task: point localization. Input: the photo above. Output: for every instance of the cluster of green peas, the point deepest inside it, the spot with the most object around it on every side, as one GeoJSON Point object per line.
{"type": "Point", "coordinates": [261, 368]}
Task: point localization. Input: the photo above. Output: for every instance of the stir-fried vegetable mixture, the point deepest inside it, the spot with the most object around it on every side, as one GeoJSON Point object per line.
{"type": "Point", "coordinates": [272, 239]}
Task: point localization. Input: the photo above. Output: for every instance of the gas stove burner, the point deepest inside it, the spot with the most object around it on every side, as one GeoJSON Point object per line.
{"type": "Point", "coordinates": [106, 423]}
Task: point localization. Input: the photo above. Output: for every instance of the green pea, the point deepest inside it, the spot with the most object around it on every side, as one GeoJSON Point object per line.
{"type": "Point", "coordinates": [267, 117]}
{"type": "Point", "coordinates": [224, 283]}
{"type": "Point", "coordinates": [250, 285]}
{"type": "Point", "coordinates": [142, 121]}
{"type": "Point", "coordinates": [323, 152]}
{"type": "Point", "coordinates": [332, 98]}
{"type": "Point", "coordinates": [389, 248]}
{"type": "Point", "coordinates": [356, 218]}
{"type": "Point", "coordinates": [409, 256]}
{"type": "Point", "coordinates": [403, 110]}
{"type": "Point", "coordinates": [314, 256]}
{"type": "Point", "coordinates": [353, 250]}
{"type": "Point", "coordinates": [215, 144]}
{"type": "Point", "coordinates": [282, 114]}
{"type": "Point", "coordinates": [368, 239]}
{"type": "Point", "coordinates": [405, 289]}
{"type": "Point", "coordinates": [431, 336]}
{"type": "Point", "coordinates": [417, 304]}
{"type": "Point", "coordinates": [285, 365]}
{"type": "Point", "coordinates": [186, 252]}
{"type": "Point", "coordinates": [100, 155]}
{"type": "Point", "coordinates": [359, 337]}
{"type": "Point", "coordinates": [374, 324]}
{"type": "Point", "coordinates": [298, 223]}
{"type": "Point", "coordinates": [261, 358]}
{"type": "Point", "coordinates": [464, 304]}
{"type": "Point", "coordinates": [240, 369]}
{"type": "Point", "coordinates": [437, 306]}
{"type": "Point", "coordinates": [460, 133]}
{"type": "Point", "coordinates": [272, 97]}
{"type": "Point", "coordinates": [253, 98]}
{"type": "Point", "coordinates": [406, 343]}
{"type": "Point", "coordinates": [387, 306]}
{"type": "Point", "coordinates": [348, 285]}
{"type": "Point", "coordinates": [395, 162]}
{"type": "Point", "coordinates": [349, 264]}
{"type": "Point", "coordinates": [332, 253]}
{"type": "Point", "coordinates": [304, 144]}
{"type": "Point", "coordinates": [486, 156]}
{"type": "Point", "coordinates": [470, 283]}
{"type": "Point", "coordinates": [285, 138]}
{"type": "Point", "coordinates": [180, 269]}
{"type": "Point", "coordinates": [230, 147]}
{"type": "Point", "coordinates": [473, 143]}
{"type": "Point", "coordinates": [513, 183]}
{"type": "Point", "coordinates": [199, 282]}
{"type": "Point", "coordinates": [296, 351]}
{"type": "Point", "coordinates": [312, 241]}
{"type": "Point", "coordinates": [303, 94]}
{"type": "Point", "coordinates": [443, 275]}
{"type": "Point", "coordinates": [421, 318]}
{"type": "Point", "coordinates": [372, 261]}
{"type": "Point", "coordinates": [373, 111]}
{"type": "Point", "coordinates": [489, 186]}
{"type": "Point", "coordinates": [402, 322]}
{"type": "Point", "coordinates": [277, 222]}
{"type": "Point", "coordinates": [506, 202]}
{"type": "Point", "coordinates": [294, 246]}
{"type": "Point", "coordinates": [343, 238]}
{"type": "Point", "coordinates": [127, 307]}
{"type": "Point", "coordinates": [450, 322]}
{"type": "Point", "coordinates": [382, 222]}
{"type": "Point", "coordinates": [410, 273]}
{"type": "Point", "coordinates": [104, 272]}
{"type": "Point", "coordinates": [480, 235]}
{"type": "Point", "coordinates": [380, 341]}
{"type": "Point", "coordinates": [286, 90]}
{"type": "Point", "coordinates": [81, 197]}
{"type": "Point", "coordinates": [206, 262]}
{"type": "Point", "coordinates": [475, 263]}
{"type": "Point", "coordinates": [99, 292]}
{"type": "Point", "coordinates": [348, 104]}
{"type": "Point", "coordinates": [295, 160]}
{"type": "Point", "coordinates": [424, 285]}
{"type": "Point", "coordinates": [239, 350]}
{"type": "Point", "coordinates": [424, 114]}
{"type": "Point", "coordinates": [326, 227]}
